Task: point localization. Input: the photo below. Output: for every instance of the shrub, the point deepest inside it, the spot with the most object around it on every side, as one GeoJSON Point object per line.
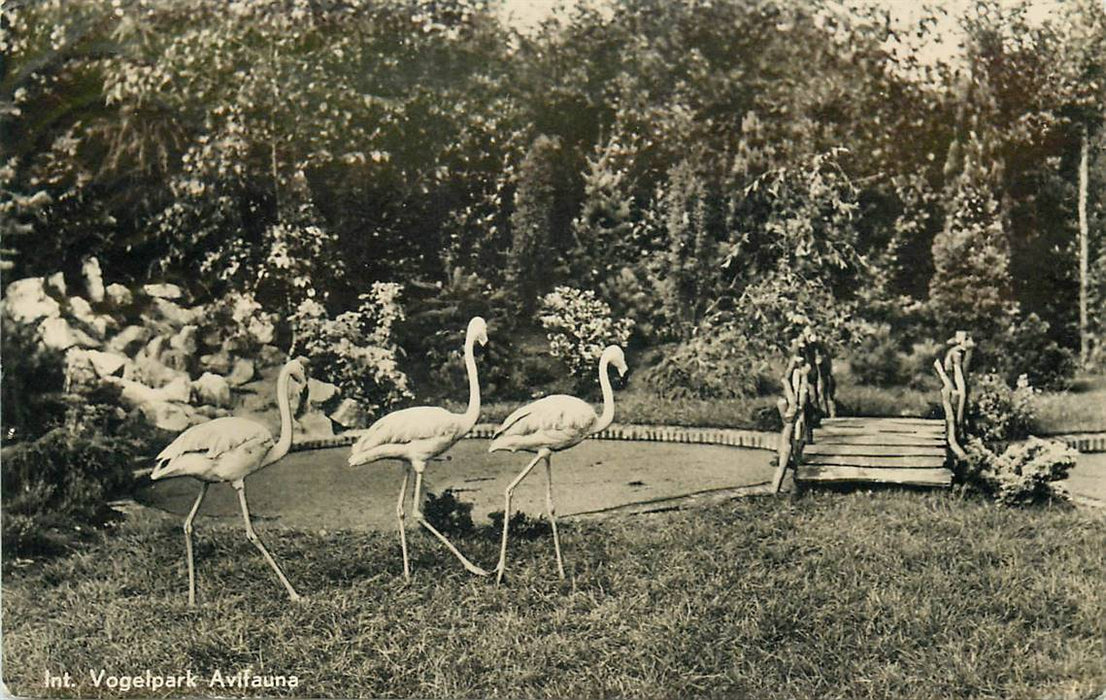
{"type": "Point", "coordinates": [1024, 473]}
{"type": "Point", "coordinates": [878, 359]}
{"type": "Point", "coordinates": [716, 363]}
{"type": "Point", "coordinates": [1029, 350]}
{"type": "Point", "coordinates": [32, 378]}
{"type": "Point", "coordinates": [356, 350]}
{"type": "Point", "coordinates": [448, 514]}
{"type": "Point", "coordinates": [579, 326]}
{"type": "Point", "coordinates": [238, 320]}
{"type": "Point", "coordinates": [996, 413]}
{"type": "Point", "coordinates": [58, 482]}
{"type": "Point", "coordinates": [523, 527]}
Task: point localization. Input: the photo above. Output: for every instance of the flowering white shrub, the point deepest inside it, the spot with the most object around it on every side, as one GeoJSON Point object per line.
{"type": "Point", "coordinates": [1025, 472]}
{"type": "Point", "coordinates": [239, 320]}
{"type": "Point", "coordinates": [357, 349]}
{"type": "Point", "coordinates": [579, 325]}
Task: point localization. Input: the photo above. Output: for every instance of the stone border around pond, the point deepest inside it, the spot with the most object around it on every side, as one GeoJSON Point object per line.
{"type": "Point", "coordinates": [726, 437]}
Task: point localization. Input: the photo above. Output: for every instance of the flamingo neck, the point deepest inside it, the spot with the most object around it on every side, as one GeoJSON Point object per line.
{"type": "Point", "coordinates": [284, 403]}
{"type": "Point", "coordinates": [607, 416]}
{"type": "Point", "coordinates": [472, 413]}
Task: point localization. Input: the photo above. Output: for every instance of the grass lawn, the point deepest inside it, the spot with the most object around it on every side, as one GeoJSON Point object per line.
{"type": "Point", "coordinates": [892, 594]}
{"type": "Point", "coordinates": [1082, 408]}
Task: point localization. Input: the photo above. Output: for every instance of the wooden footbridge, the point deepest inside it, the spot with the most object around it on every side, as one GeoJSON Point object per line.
{"type": "Point", "coordinates": [819, 447]}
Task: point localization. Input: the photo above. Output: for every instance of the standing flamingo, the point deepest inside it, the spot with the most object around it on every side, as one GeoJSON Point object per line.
{"type": "Point", "coordinates": [419, 434]}
{"type": "Point", "coordinates": [230, 449]}
{"type": "Point", "coordinates": [549, 425]}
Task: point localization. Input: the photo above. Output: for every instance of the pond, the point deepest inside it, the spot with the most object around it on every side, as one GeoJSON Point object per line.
{"type": "Point", "coordinates": [316, 489]}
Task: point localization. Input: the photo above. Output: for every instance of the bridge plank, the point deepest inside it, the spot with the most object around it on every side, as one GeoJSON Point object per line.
{"type": "Point", "coordinates": [882, 430]}
{"type": "Point", "coordinates": [898, 461]}
{"type": "Point", "coordinates": [822, 438]}
{"type": "Point", "coordinates": [920, 477]}
{"type": "Point", "coordinates": [852, 420]}
{"type": "Point", "coordinates": [848, 448]}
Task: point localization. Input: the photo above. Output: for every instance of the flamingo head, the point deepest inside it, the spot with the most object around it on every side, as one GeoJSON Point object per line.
{"type": "Point", "coordinates": [616, 357]}
{"type": "Point", "coordinates": [296, 372]}
{"type": "Point", "coordinates": [478, 330]}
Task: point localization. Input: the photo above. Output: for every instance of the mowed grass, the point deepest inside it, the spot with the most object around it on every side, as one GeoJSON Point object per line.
{"type": "Point", "coordinates": [1082, 408]}
{"type": "Point", "coordinates": [892, 594]}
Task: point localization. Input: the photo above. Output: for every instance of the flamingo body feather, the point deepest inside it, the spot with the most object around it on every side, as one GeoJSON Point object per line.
{"type": "Point", "coordinates": [554, 422]}
{"type": "Point", "coordinates": [413, 434]}
{"type": "Point", "coordinates": [225, 449]}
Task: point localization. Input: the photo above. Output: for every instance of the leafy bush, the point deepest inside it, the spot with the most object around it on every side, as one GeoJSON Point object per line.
{"type": "Point", "coordinates": [715, 363]}
{"type": "Point", "coordinates": [579, 326]}
{"type": "Point", "coordinates": [32, 378]}
{"type": "Point", "coordinates": [55, 484]}
{"type": "Point", "coordinates": [996, 413]}
{"type": "Point", "coordinates": [238, 320]}
{"type": "Point", "coordinates": [448, 514]}
{"type": "Point", "coordinates": [522, 526]}
{"type": "Point", "coordinates": [878, 359]}
{"type": "Point", "coordinates": [1028, 349]}
{"type": "Point", "coordinates": [1024, 473]}
{"type": "Point", "coordinates": [356, 350]}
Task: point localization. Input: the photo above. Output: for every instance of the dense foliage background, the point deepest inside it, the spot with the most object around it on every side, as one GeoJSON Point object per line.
{"type": "Point", "coordinates": [717, 172]}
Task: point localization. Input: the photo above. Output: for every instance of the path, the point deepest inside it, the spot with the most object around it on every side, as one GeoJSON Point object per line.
{"type": "Point", "coordinates": [316, 489]}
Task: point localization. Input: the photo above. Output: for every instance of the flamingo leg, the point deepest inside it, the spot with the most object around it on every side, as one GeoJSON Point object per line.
{"type": "Point", "coordinates": [502, 565]}
{"type": "Point", "coordinates": [402, 517]}
{"type": "Point", "coordinates": [188, 542]}
{"type": "Point", "coordinates": [422, 521]}
{"type": "Point", "coordinates": [240, 487]}
{"type": "Point", "coordinates": [553, 515]}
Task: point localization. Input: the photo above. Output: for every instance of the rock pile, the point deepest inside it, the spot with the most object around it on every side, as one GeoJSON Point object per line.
{"type": "Point", "coordinates": [171, 364]}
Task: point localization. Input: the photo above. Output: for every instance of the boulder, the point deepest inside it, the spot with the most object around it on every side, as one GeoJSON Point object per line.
{"type": "Point", "coordinates": [163, 291]}
{"type": "Point", "coordinates": [135, 394]}
{"type": "Point", "coordinates": [153, 372]}
{"type": "Point", "coordinates": [93, 279]}
{"type": "Point", "coordinates": [56, 333]}
{"type": "Point", "coordinates": [314, 425]}
{"type": "Point", "coordinates": [212, 389]}
{"type": "Point", "coordinates": [212, 411]}
{"type": "Point", "coordinates": [350, 415]}
{"type": "Point", "coordinates": [108, 364]}
{"type": "Point", "coordinates": [82, 312]}
{"type": "Point", "coordinates": [26, 301]}
{"type": "Point", "coordinates": [242, 372]}
{"type": "Point", "coordinates": [176, 315]}
{"type": "Point", "coordinates": [270, 355]}
{"type": "Point", "coordinates": [320, 392]}
{"type": "Point", "coordinates": [186, 340]}
{"type": "Point", "coordinates": [56, 282]}
{"type": "Point", "coordinates": [118, 295]}
{"type": "Point", "coordinates": [219, 363]}
{"type": "Point", "coordinates": [129, 340]}
{"type": "Point", "coordinates": [80, 372]}
{"type": "Point", "coordinates": [177, 360]}
{"type": "Point", "coordinates": [174, 417]}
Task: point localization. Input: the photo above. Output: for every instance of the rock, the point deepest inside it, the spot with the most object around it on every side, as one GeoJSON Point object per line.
{"type": "Point", "coordinates": [56, 333]}
{"type": "Point", "coordinates": [93, 279]}
{"type": "Point", "coordinates": [270, 355]}
{"type": "Point", "coordinates": [212, 389]}
{"type": "Point", "coordinates": [242, 373]}
{"type": "Point", "coordinates": [174, 417]}
{"type": "Point", "coordinates": [108, 364]}
{"type": "Point", "coordinates": [81, 311]}
{"type": "Point", "coordinates": [177, 360]}
{"type": "Point", "coordinates": [56, 282]}
{"type": "Point", "coordinates": [175, 314]}
{"type": "Point", "coordinates": [186, 340]}
{"type": "Point", "coordinates": [118, 295]}
{"type": "Point", "coordinates": [350, 415]}
{"type": "Point", "coordinates": [219, 363]}
{"type": "Point", "coordinates": [163, 291]}
{"type": "Point", "coordinates": [212, 411]}
{"type": "Point", "coordinates": [135, 394]}
{"type": "Point", "coordinates": [26, 301]}
{"type": "Point", "coordinates": [80, 373]}
{"type": "Point", "coordinates": [314, 425]}
{"type": "Point", "coordinates": [129, 340]}
{"type": "Point", "coordinates": [153, 372]}
{"type": "Point", "coordinates": [320, 392]}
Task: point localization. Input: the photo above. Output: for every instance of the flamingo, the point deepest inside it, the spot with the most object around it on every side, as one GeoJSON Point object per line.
{"type": "Point", "coordinates": [549, 425]}
{"type": "Point", "coordinates": [421, 433]}
{"type": "Point", "coordinates": [228, 450]}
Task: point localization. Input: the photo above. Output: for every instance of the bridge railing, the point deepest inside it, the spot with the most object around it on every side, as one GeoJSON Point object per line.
{"type": "Point", "coordinates": [808, 394]}
{"type": "Point", "coordinates": [953, 371]}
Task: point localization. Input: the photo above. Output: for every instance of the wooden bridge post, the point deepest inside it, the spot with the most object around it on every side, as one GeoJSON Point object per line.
{"type": "Point", "coordinates": [954, 390]}
{"type": "Point", "coordinates": [796, 430]}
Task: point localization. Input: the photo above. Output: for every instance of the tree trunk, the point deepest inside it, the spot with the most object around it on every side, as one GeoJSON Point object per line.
{"type": "Point", "coordinates": [1084, 252]}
